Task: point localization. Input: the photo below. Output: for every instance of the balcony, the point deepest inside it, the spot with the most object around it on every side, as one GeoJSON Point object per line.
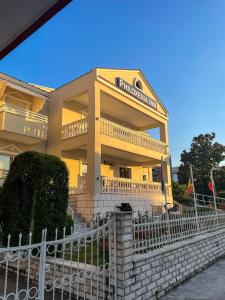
{"type": "Point", "coordinates": [131, 136]}
{"type": "Point", "coordinates": [75, 129]}
{"type": "Point", "coordinates": [116, 185]}
{"type": "Point", "coordinates": [117, 131]}
{"type": "Point", "coordinates": [22, 125]}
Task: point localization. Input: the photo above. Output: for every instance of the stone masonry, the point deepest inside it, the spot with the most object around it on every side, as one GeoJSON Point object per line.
{"type": "Point", "coordinates": [151, 275]}
{"type": "Point", "coordinates": [134, 276]}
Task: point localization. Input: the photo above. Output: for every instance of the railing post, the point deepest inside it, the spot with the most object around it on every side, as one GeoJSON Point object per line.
{"type": "Point", "coordinates": [42, 262]}
{"type": "Point", "coordinates": [123, 254]}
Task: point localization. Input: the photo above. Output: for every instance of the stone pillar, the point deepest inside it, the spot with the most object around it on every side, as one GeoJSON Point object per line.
{"type": "Point", "coordinates": [123, 255]}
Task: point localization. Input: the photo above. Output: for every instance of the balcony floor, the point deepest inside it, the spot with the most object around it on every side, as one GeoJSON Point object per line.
{"type": "Point", "coordinates": [19, 138]}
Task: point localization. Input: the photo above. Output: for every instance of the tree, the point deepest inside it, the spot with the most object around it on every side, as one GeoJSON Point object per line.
{"type": "Point", "coordinates": [204, 154]}
{"type": "Point", "coordinates": [180, 194]}
{"type": "Point", "coordinates": [34, 197]}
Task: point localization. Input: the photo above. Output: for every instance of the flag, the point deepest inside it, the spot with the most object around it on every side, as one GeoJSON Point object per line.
{"type": "Point", "coordinates": [190, 186]}
{"type": "Point", "coordinates": [211, 184]}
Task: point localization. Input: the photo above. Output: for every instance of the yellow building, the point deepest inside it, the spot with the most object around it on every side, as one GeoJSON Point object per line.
{"type": "Point", "coordinates": [98, 125]}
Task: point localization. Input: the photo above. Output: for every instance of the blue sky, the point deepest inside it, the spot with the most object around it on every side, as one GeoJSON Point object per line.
{"type": "Point", "coordinates": [178, 44]}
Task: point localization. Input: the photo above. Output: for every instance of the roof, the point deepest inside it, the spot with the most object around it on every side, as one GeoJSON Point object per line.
{"type": "Point", "coordinates": [20, 18]}
{"type": "Point", "coordinates": [23, 84]}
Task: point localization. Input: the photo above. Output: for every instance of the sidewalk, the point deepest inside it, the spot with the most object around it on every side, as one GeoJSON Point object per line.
{"type": "Point", "coordinates": [207, 285]}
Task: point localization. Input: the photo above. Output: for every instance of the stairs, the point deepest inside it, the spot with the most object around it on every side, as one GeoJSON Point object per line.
{"type": "Point", "coordinates": [80, 225]}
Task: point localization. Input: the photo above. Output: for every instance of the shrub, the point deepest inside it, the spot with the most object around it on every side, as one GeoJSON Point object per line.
{"type": "Point", "coordinates": [180, 195]}
{"type": "Point", "coordinates": [34, 197]}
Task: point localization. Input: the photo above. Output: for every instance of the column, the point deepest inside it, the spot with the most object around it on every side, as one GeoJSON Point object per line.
{"type": "Point", "coordinates": [164, 138]}
{"type": "Point", "coordinates": [123, 256]}
{"type": "Point", "coordinates": [94, 142]}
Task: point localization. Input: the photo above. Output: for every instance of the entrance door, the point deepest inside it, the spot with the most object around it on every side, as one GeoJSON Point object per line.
{"type": "Point", "coordinates": [125, 172]}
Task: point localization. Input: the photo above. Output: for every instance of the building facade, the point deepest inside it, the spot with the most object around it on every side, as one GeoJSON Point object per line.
{"type": "Point", "coordinates": [97, 124]}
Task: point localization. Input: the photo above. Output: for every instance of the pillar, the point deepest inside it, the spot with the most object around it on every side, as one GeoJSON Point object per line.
{"type": "Point", "coordinates": [94, 142]}
{"type": "Point", "coordinates": [164, 138]}
{"type": "Point", "coordinates": [123, 255]}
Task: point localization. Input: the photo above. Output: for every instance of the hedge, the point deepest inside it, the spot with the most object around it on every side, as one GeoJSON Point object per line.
{"type": "Point", "coordinates": [34, 197]}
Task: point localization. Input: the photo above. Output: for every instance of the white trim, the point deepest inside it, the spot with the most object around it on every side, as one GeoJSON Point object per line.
{"type": "Point", "coordinates": [24, 90]}
{"type": "Point", "coordinates": [21, 100]}
{"type": "Point", "coordinates": [15, 150]}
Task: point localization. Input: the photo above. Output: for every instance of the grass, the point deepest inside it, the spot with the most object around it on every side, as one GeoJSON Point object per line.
{"type": "Point", "coordinates": [93, 254]}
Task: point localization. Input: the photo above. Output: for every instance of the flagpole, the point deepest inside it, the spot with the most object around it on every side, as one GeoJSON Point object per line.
{"type": "Point", "coordinates": [195, 203]}
{"type": "Point", "coordinates": [214, 194]}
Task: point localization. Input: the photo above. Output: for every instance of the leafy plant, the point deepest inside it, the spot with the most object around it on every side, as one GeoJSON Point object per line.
{"type": "Point", "coordinates": [204, 154]}
{"type": "Point", "coordinates": [34, 197]}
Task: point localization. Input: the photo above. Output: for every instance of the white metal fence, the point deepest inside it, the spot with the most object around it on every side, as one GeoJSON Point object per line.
{"type": "Point", "coordinates": [208, 201]}
{"type": "Point", "coordinates": [153, 232]}
{"type": "Point", "coordinates": [78, 266]}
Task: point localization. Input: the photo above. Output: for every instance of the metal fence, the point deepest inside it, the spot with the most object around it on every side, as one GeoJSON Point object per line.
{"type": "Point", "coordinates": [154, 232]}
{"type": "Point", "coordinates": [78, 266]}
{"type": "Point", "coordinates": [208, 201]}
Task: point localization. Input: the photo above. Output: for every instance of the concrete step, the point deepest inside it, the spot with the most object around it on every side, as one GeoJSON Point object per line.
{"type": "Point", "coordinates": [77, 220]}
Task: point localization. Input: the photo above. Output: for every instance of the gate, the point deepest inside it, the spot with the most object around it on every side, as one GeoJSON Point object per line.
{"type": "Point", "coordinates": [78, 266]}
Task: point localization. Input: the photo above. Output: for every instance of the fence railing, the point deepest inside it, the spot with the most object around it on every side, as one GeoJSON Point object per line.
{"type": "Point", "coordinates": [207, 200]}
{"type": "Point", "coordinates": [24, 113]}
{"type": "Point", "coordinates": [75, 129]}
{"type": "Point", "coordinates": [78, 266]}
{"type": "Point", "coordinates": [131, 136]}
{"type": "Point", "coordinates": [117, 131]}
{"type": "Point", "coordinates": [151, 233]}
{"type": "Point", "coordinates": [116, 185]}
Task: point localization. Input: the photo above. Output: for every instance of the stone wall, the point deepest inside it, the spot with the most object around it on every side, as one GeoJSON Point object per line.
{"type": "Point", "coordinates": [131, 276]}
{"type": "Point", "coordinates": [151, 275]}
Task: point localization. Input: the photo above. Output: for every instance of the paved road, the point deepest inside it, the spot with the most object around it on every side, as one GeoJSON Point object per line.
{"type": "Point", "coordinates": [207, 285]}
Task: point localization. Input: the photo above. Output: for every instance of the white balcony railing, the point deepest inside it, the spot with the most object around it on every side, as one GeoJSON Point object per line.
{"type": "Point", "coordinates": [23, 123]}
{"type": "Point", "coordinates": [27, 114]}
{"type": "Point", "coordinates": [75, 129]}
{"type": "Point", "coordinates": [131, 136]}
{"type": "Point", "coordinates": [115, 185]}
{"type": "Point", "coordinates": [116, 131]}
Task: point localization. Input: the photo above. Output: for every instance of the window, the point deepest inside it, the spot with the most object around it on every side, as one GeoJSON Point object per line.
{"type": "Point", "coordinates": [156, 174]}
{"type": "Point", "coordinates": [125, 172]}
{"type": "Point", "coordinates": [84, 168]}
{"type": "Point", "coordinates": [5, 162]}
{"type": "Point", "coordinates": [144, 177]}
{"type": "Point", "coordinates": [138, 84]}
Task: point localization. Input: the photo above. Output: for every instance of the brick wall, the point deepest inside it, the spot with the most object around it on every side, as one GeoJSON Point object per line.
{"type": "Point", "coordinates": [137, 276]}
{"type": "Point", "coordinates": [151, 275]}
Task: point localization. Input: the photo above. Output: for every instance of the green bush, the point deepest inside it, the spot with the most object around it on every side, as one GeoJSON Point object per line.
{"type": "Point", "coordinates": [221, 194]}
{"type": "Point", "coordinates": [34, 197]}
{"type": "Point", "coordinates": [180, 194]}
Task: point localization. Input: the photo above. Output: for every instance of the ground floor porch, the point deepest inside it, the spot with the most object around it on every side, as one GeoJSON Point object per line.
{"type": "Point", "coordinates": [101, 182]}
